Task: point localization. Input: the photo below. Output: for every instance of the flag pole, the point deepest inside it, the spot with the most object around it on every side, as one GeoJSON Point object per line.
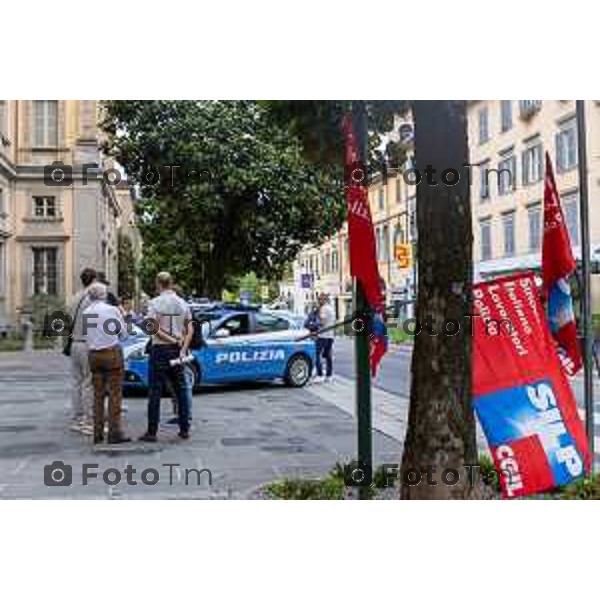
{"type": "Point", "coordinates": [586, 299]}
{"type": "Point", "coordinates": [361, 342]}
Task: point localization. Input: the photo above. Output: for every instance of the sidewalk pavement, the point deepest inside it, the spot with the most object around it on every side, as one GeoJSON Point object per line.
{"type": "Point", "coordinates": [246, 435]}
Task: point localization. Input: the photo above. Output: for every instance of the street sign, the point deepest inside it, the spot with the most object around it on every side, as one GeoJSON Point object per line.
{"type": "Point", "coordinates": [402, 252]}
{"type": "Point", "coordinates": [306, 281]}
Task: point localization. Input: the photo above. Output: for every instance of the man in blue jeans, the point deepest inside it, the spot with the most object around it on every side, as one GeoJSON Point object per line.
{"type": "Point", "coordinates": [325, 338]}
{"type": "Point", "coordinates": [171, 341]}
{"type": "Point", "coordinates": [189, 377]}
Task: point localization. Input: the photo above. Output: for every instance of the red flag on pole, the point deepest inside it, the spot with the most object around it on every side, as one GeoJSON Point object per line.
{"type": "Point", "coordinates": [361, 241]}
{"type": "Point", "coordinates": [557, 265]}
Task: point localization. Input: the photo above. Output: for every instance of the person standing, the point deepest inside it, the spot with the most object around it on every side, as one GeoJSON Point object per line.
{"type": "Point", "coordinates": [129, 314]}
{"type": "Point", "coordinates": [325, 337]}
{"type": "Point", "coordinates": [103, 327]}
{"type": "Point", "coordinates": [82, 393]}
{"type": "Point", "coordinates": [188, 378]}
{"type": "Point", "coordinates": [110, 297]}
{"type": "Point", "coordinates": [170, 342]}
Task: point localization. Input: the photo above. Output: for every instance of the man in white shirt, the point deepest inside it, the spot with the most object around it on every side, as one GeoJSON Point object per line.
{"type": "Point", "coordinates": [102, 328]}
{"type": "Point", "coordinates": [171, 341]}
{"type": "Point", "coordinates": [325, 338]}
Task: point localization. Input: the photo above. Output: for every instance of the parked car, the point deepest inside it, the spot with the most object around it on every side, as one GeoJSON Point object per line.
{"type": "Point", "coordinates": [237, 347]}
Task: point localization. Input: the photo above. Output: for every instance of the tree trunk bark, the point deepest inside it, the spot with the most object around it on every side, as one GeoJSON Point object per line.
{"type": "Point", "coordinates": [441, 425]}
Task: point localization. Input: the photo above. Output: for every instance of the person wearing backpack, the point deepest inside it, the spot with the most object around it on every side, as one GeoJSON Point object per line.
{"type": "Point", "coordinates": [313, 324]}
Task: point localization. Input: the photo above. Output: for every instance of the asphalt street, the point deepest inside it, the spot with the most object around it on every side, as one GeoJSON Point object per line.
{"type": "Point", "coordinates": [245, 436]}
{"type": "Point", "coordinates": [394, 376]}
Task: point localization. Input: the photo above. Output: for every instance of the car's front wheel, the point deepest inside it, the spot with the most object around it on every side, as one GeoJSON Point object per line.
{"type": "Point", "coordinates": [298, 371]}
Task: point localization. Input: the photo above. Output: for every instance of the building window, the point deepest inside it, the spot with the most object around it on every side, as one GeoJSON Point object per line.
{"type": "Point", "coordinates": [566, 146]}
{"type": "Point", "coordinates": [507, 174]}
{"type": "Point", "coordinates": [570, 205]}
{"type": "Point", "coordinates": [506, 115]}
{"type": "Point", "coordinates": [45, 271]}
{"type": "Point", "coordinates": [44, 207]}
{"type": "Point", "coordinates": [385, 243]}
{"type": "Point", "coordinates": [2, 270]}
{"type": "Point", "coordinates": [399, 237]}
{"type": "Point", "coordinates": [508, 225]}
{"type": "Point", "coordinates": [3, 119]}
{"type": "Point", "coordinates": [485, 231]}
{"type": "Point", "coordinates": [484, 133]}
{"type": "Point", "coordinates": [398, 191]}
{"type": "Point", "coordinates": [381, 198]}
{"type": "Point", "coordinates": [335, 263]}
{"type": "Point", "coordinates": [534, 215]}
{"type": "Point", "coordinates": [528, 108]}
{"type": "Point", "coordinates": [484, 188]}
{"type": "Point", "coordinates": [532, 164]}
{"type": "Point", "coordinates": [45, 123]}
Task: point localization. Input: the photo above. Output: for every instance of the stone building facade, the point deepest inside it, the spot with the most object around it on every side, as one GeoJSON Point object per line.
{"type": "Point", "coordinates": [55, 219]}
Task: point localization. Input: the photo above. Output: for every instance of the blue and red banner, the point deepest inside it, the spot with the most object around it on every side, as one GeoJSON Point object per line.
{"type": "Point", "coordinates": [521, 396]}
{"type": "Point", "coordinates": [557, 266]}
{"type": "Point", "coordinates": [361, 243]}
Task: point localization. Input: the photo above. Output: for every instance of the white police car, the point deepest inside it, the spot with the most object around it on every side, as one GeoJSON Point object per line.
{"type": "Point", "coordinates": [239, 346]}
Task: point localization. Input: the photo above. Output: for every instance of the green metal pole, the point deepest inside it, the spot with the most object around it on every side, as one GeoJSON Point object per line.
{"type": "Point", "coordinates": [586, 298]}
{"type": "Point", "coordinates": [361, 342]}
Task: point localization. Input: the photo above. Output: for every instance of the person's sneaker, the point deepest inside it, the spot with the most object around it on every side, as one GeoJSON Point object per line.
{"type": "Point", "coordinates": [98, 439]}
{"type": "Point", "coordinates": [328, 379]}
{"type": "Point", "coordinates": [148, 437]}
{"type": "Point", "coordinates": [317, 379]}
{"type": "Point", "coordinates": [87, 428]}
{"type": "Point", "coordinates": [184, 435]}
{"type": "Point", "coordinates": [75, 425]}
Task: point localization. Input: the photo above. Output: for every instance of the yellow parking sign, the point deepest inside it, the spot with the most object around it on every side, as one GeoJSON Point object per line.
{"type": "Point", "coordinates": [403, 253]}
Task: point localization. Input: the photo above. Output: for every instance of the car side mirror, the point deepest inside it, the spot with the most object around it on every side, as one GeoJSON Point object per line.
{"type": "Point", "coordinates": [205, 329]}
{"type": "Point", "coordinates": [222, 333]}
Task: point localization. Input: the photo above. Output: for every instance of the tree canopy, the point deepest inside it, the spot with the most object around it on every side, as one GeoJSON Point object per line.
{"type": "Point", "coordinates": [225, 189]}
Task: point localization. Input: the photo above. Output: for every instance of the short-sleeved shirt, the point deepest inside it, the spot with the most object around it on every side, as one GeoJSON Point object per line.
{"type": "Point", "coordinates": [172, 313]}
{"type": "Point", "coordinates": [327, 318]}
{"type": "Point", "coordinates": [104, 326]}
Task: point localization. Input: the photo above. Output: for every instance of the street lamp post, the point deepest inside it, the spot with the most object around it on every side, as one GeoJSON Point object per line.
{"type": "Point", "coordinates": [363, 369]}
{"type": "Point", "coordinates": [586, 298]}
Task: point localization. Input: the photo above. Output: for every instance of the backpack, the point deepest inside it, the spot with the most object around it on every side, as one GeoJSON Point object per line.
{"type": "Point", "coordinates": [313, 323]}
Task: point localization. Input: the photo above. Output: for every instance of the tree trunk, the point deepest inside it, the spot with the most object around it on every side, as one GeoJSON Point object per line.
{"type": "Point", "coordinates": [441, 425]}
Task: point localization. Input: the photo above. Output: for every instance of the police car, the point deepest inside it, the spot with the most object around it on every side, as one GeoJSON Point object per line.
{"type": "Point", "coordinates": [239, 346]}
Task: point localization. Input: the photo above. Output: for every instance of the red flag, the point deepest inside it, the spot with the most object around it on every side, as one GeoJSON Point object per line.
{"type": "Point", "coordinates": [557, 265]}
{"type": "Point", "coordinates": [361, 240]}
{"type": "Point", "coordinates": [522, 398]}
